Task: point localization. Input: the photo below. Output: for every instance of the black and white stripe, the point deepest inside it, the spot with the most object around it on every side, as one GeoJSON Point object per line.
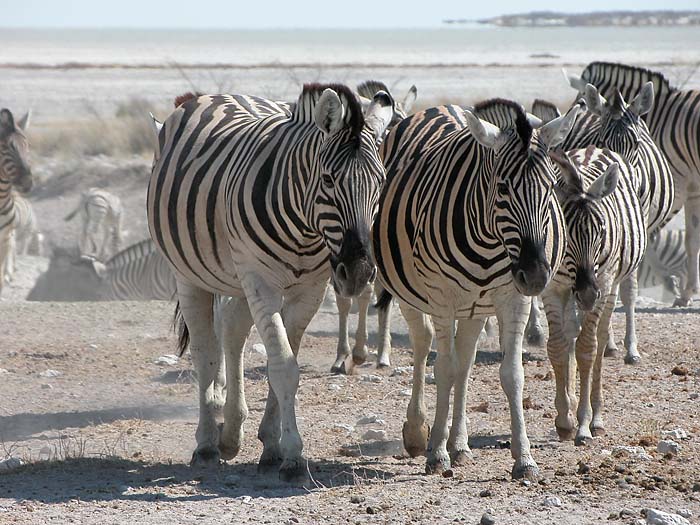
{"type": "Point", "coordinates": [256, 207]}
{"type": "Point", "coordinates": [101, 213]}
{"type": "Point", "coordinates": [665, 262]}
{"type": "Point", "coordinates": [468, 224]}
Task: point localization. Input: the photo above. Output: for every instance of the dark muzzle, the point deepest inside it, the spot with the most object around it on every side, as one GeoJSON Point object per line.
{"type": "Point", "coordinates": [531, 272]}
{"type": "Point", "coordinates": [354, 267]}
{"type": "Point", "coordinates": [586, 291]}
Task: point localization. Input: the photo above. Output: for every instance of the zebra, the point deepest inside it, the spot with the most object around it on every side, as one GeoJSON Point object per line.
{"type": "Point", "coordinates": [674, 124]}
{"type": "Point", "coordinates": [15, 174]}
{"type": "Point", "coordinates": [606, 241]}
{"type": "Point", "coordinates": [27, 237]}
{"type": "Point", "coordinates": [101, 212]}
{"type": "Point", "coordinates": [665, 262]}
{"type": "Point", "coordinates": [367, 90]}
{"type": "Point", "coordinates": [264, 209]}
{"type": "Point", "coordinates": [468, 224]}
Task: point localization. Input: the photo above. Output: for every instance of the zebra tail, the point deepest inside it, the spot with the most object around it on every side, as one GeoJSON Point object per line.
{"type": "Point", "coordinates": [183, 333]}
{"type": "Point", "coordinates": [384, 300]}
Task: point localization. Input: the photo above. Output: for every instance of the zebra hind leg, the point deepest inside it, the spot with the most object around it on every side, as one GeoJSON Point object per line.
{"type": "Point", "coordinates": [384, 331]}
{"type": "Point", "coordinates": [197, 311]}
{"type": "Point", "coordinates": [628, 294]}
{"type": "Point", "coordinates": [692, 249]}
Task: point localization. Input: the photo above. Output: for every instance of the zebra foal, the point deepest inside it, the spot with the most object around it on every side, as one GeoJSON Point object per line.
{"type": "Point", "coordinates": [101, 213]}
{"type": "Point", "coordinates": [468, 224]}
{"type": "Point", "coordinates": [264, 208]}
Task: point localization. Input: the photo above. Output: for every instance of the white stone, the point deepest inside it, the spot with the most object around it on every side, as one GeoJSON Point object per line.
{"type": "Point", "coordinates": [343, 426]}
{"type": "Point", "coordinates": [635, 452]}
{"type": "Point", "coordinates": [46, 386]}
{"type": "Point", "coordinates": [4, 371]}
{"type": "Point", "coordinates": [657, 517]}
{"type": "Point", "coordinates": [92, 346]}
{"type": "Point", "coordinates": [259, 348]}
{"type": "Point", "coordinates": [368, 419]}
{"type": "Point", "coordinates": [686, 513]}
{"type": "Point", "coordinates": [694, 395]}
{"type": "Point", "coordinates": [374, 433]}
{"type": "Point", "coordinates": [10, 463]}
{"type": "Point", "coordinates": [429, 379]}
{"type": "Point", "coordinates": [402, 371]}
{"type": "Point", "coordinates": [50, 373]}
{"type": "Point", "coordinates": [405, 393]}
{"type": "Point", "coordinates": [371, 378]}
{"type": "Point", "coordinates": [676, 434]}
{"type": "Point", "coordinates": [668, 446]}
{"type": "Point", "coordinates": [551, 501]}
{"type": "Point", "coordinates": [334, 387]}
{"type": "Point", "coordinates": [167, 360]}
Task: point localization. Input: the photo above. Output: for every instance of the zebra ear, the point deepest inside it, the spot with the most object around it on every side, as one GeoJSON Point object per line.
{"type": "Point", "coordinates": [534, 120]}
{"type": "Point", "coordinates": [329, 113]}
{"type": "Point", "coordinates": [605, 184]}
{"type": "Point", "coordinates": [570, 182]}
{"type": "Point", "coordinates": [7, 122]}
{"type": "Point", "coordinates": [156, 126]}
{"type": "Point", "coordinates": [379, 114]}
{"type": "Point", "coordinates": [410, 99]}
{"type": "Point", "coordinates": [555, 131]}
{"type": "Point", "coordinates": [594, 100]}
{"type": "Point", "coordinates": [23, 123]}
{"type": "Point", "coordinates": [575, 82]}
{"type": "Point", "coordinates": [483, 132]}
{"type": "Point", "coordinates": [644, 101]}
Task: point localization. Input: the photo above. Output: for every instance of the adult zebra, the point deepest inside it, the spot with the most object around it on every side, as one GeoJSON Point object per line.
{"type": "Point", "coordinates": [665, 262]}
{"type": "Point", "coordinates": [468, 223]}
{"type": "Point", "coordinates": [606, 240]}
{"type": "Point", "coordinates": [674, 124]}
{"type": "Point", "coordinates": [101, 213]}
{"type": "Point", "coordinates": [367, 90]}
{"type": "Point", "coordinates": [257, 208]}
{"type": "Point", "coordinates": [14, 174]}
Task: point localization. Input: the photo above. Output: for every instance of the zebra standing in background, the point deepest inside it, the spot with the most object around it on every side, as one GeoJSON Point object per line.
{"type": "Point", "coordinates": [14, 174]}
{"type": "Point", "coordinates": [257, 208]}
{"type": "Point", "coordinates": [468, 224]}
{"type": "Point", "coordinates": [27, 237]}
{"type": "Point", "coordinates": [674, 124]}
{"type": "Point", "coordinates": [606, 241]}
{"type": "Point", "coordinates": [665, 262]}
{"type": "Point", "coordinates": [101, 212]}
{"type": "Point", "coordinates": [367, 90]}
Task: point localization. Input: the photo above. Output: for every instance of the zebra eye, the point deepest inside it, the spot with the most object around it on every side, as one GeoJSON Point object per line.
{"type": "Point", "coordinates": [327, 180]}
{"type": "Point", "coordinates": [502, 189]}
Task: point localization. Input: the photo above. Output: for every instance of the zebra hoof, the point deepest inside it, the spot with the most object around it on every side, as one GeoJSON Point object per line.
{"type": "Point", "coordinates": [565, 434]}
{"type": "Point", "coordinates": [611, 351]}
{"type": "Point", "coordinates": [293, 472]}
{"type": "Point", "coordinates": [598, 431]}
{"type": "Point", "coordinates": [680, 302]}
{"type": "Point", "coordinates": [206, 457]}
{"type": "Point", "coordinates": [415, 442]}
{"type": "Point", "coordinates": [437, 464]}
{"type": "Point", "coordinates": [525, 469]}
{"type": "Point", "coordinates": [583, 441]}
{"type": "Point", "coordinates": [432, 356]}
{"type": "Point", "coordinates": [228, 451]}
{"type": "Point", "coordinates": [633, 359]}
{"type": "Point", "coordinates": [339, 369]}
{"type": "Point", "coordinates": [269, 463]}
{"type": "Point", "coordinates": [461, 458]}
{"type": "Point", "coordinates": [358, 359]}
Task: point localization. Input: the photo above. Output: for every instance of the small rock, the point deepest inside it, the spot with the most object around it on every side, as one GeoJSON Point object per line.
{"type": "Point", "coordinates": [634, 452]}
{"type": "Point", "coordinates": [668, 446]}
{"type": "Point", "coordinates": [613, 516]}
{"type": "Point", "coordinates": [449, 473]}
{"type": "Point", "coordinates": [696, 487]}
{"type": "Point", "coordinates": [376, 434]}
{"type": "Point", "coordinates": [583, 468]}
{"type": "Point", "coordinates": [402, 371]}
{"type": "Point", "coordinates": [649, 405]}
{"type": "Point", "coordinates": [525, 482]}
{"type": "Point", "coordinates": [258, 348]}
{"type": "Point", "coordinates": [245, 499]}
{"type": "Point", "coordinates": [372, 510]}
{"type": "Point", "coordinates": [357, 499]}
{"type": "Point", "coordinates": [232, 479]}
{"type": "Point", "coordinates": [694, 395]}
{"type": "Point", "coordinates": [429, 379]}
{"type": "Point", "coordinates": [371, 378]}
{"type": "Point", "coordinates": [686, 513]}
{"type": "Point", "coordinates": [92, 346]}
{"type": "Point", "coordinates": [124, 489]}
{"type": "Point", "coordinates": [481, 407]}
{"type": "Point", "coordinates": [46, 386]}
{"type": "Point", "coordinates": [167, 360]}
{"type": "Point", "coordinates": [486, 493]}
{"type": "Point", "coordinates": [50, 373]}
{"type": "Point", "coordinates": [368, 419]}
{"type": "Point", "coordinates": [675, 434]}
{"type": "Point", "coordinates": [10, 463]}
{"type": "Point", "coordinates": [529, 404]}
{"type": "Point", "coordinates": [4, 371]}
{"type": "Point", "coordinates": [551, 501]}
{"type": "Point", "coordinates": [487, 519]}
{"type": "Point", "coordinates": [657, 517]}
{"type": "Point", "coordinates": [406, 393]}
{"type": "Point", "coordinates": [627, 512]}
{"type": "Point", "coordinates": [343, 426]}
{"type": "Point", "coordinates": [679, 370]}
{"type": "Point", "coordinates": [334, 387]}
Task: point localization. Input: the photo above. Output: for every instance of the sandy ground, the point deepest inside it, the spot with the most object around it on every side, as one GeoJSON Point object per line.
{"type": "Point", "coordinates": [108, 439]}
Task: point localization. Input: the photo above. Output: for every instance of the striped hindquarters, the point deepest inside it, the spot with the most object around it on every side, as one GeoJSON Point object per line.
{"type": "Point", "coordinates": [139, 273]}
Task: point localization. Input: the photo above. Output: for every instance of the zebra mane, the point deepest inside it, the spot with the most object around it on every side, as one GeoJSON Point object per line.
{"type": "Point", "coordinates": [130, 253]}
{"type": "Point", "coordinates": [304, 110]}
{"type": "Point", "coordinates": [186, 97]}
{"type": "Point", "coordinates": [639, 75]}
{"type": "Point", "coordinates": [369, 88]}
{"type": "Point", "coordinates": [505, 114]}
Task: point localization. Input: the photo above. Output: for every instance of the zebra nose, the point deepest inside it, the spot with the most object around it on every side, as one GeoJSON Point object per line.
{"type": "Point", "coordinates": [341, 272]}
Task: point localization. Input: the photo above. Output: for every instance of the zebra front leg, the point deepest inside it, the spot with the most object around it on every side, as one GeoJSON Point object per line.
{"type": "Point", "coordinates": [235, 322]}
{"type": "Point", "coordinates": [560, 349]}
{"type": "Point", "coordinates": [197, 310]}
{"type": "Point", "coordinates": [11, 264]}
{"type": "Point", "coordinates": [383, 330]}
{"type": "Point", "coordinates": [628, 294]}
{"type": "Point", "coordinates": [359, 351]}
{"type": "Point", "coordinates": [5, 246]}
{"type": "Point", "coordinates": [415, 430]}
{"type": "Point", "coordinates": [611, 349]}
{"type": "Point", "coordinates": [597, 426]}
{"type": "Point", "coordinates": [466, 340]}
{"type": "Point", "coordinates": [512, 310]}
{"type": "Point", "coordinates": [438, 459]}
{"type": "Point", "coordinates": [692, 249]}
{"type": "Point", "coordinates": [535, 334]}
{"type": "Point", "coordinates": [343, 351]}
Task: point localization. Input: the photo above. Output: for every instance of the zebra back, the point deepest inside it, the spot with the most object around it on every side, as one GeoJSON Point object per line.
{"type": "Point", "coordinates": [139, 273]}
{"type": "Point", "coordinates": [665, 258]}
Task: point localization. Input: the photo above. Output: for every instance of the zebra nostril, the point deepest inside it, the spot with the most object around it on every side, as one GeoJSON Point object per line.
{"type": "Point", "coordinates": [341, 272]}
{"type": "Point", "coordinates": [597, 294]}
{"type": "Point", "coordinates": [522, 277]}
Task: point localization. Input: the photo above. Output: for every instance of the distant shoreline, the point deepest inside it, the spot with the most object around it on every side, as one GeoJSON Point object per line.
{"type": "Point", "coordinates": [658, 18]}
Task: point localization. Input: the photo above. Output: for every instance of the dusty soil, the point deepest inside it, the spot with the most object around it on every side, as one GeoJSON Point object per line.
{"type": "Point", "coordinates": [108, 439]}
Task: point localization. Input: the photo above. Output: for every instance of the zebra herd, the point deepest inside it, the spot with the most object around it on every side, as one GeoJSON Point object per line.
{"type": "Point", "coordinates": [459, 213]}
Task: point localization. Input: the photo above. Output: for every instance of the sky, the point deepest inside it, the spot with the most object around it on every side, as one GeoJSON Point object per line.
{"type": "Point", "coordinates": [286, 13]}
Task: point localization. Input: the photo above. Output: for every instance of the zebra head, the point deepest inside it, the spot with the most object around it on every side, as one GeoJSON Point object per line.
{"type": "Point", "coordinates": [585, 221]}
{"type": "Point", "coordinates": [621, 127]}
{"type": "Point", "coordinates": [347, 180]}
{"type": "Point", "coordinates": [368, 89]}
{"type": "Point", "coordinates": [14, 152]}
{"type": "Point", "coordinates": [520, 191]}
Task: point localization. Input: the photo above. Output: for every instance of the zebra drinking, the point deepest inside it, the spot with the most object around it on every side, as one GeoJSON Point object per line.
{"type": "Point", "coordinates": [468, 224]}
{"type": "Point", "coordinates": [264, 209]}
{"type": "Point", "coordinates": [606, 242]}
{"type": "Point", "coordinates": [101, 213]}
{"type": "Point", "coordinates": [15, 174]}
